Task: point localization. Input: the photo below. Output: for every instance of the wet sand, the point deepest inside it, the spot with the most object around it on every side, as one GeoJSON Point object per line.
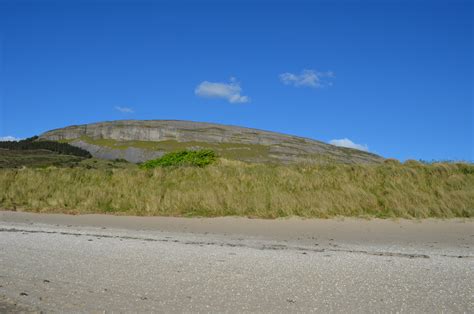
{"type": "Point", "coordinates": [351, 230]}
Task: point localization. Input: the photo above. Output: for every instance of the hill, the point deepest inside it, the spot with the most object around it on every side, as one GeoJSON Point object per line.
{"type": "Point", "coordinates": [141, 140]}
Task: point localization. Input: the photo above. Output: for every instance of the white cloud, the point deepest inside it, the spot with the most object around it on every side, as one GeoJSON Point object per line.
{"type": "Point", "coordinates": [124, 109]}
{"type": "Point", "coordinates": [308, 78]}
{"type": "Point", "coordinates": [9, 138]}
{"type": "Point", "coordinates": [345, 142]}
{"type": "Point", "coordinates": [230, 91]}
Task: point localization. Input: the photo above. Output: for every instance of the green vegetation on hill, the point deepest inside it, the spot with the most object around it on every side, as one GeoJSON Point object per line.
{"type": "Point", "coordinates": [234, 188]}
{"type": "Point", "coordinates": [233, 151]}
{"type": "Point", "coordinates": [36, 158]}
{"type": "Point", "coordinates": [40, 158]}
{"type": "Point", "coordinates": [227, 150]}
{"type": "Point", "coordinates": [33, 143]}
{"type": "Point", "coordinates": [199, 158]}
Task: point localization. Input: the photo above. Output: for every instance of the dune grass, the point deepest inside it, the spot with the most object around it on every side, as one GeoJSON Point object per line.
{"type": "Point", "coordinates": [240, 189]}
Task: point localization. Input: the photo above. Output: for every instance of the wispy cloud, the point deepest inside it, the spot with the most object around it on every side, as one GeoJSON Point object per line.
{"type": "Point", "coordinates": [124, 109]}
{"type": "Point", "coordinates": [345, 142]}
{"type": "Point", "coordinates": [9, 138]}
{"type": "Point", "coordinates": [230, 91]}
{"type": "Point", "coordinates": [308, 78]}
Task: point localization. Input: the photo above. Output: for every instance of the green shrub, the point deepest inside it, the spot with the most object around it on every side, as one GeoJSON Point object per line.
{"type": "Point", "coordinates": [34, 143]}
{"type": "Point", "coordinates": [198, 158]}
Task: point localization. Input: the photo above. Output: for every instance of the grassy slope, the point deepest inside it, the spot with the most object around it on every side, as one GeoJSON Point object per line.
{"type": "Point", "coordinates": [44, 158]}
{"type": "Point", "coordinates": [35, 158]}
{"type": "Point", "coordinates": [233, 151]}
{"type": "Point", "coordinates": [257, 190]}
{"type": "Point", "coordinates": [226, 150]}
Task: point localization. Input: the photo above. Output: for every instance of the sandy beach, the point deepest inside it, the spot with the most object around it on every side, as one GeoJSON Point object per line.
{"type": "Point", "coordinates": [59, 263]}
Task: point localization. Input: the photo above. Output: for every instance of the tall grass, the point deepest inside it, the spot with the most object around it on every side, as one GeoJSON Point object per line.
{"type": "Point", "coordinates": [256, 190]}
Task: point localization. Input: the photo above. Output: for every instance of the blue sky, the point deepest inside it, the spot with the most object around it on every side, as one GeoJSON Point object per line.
{"type": "Point", "coordinates": [395, 77]}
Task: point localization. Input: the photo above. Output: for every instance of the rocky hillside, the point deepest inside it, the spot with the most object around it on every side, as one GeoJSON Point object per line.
{"type": "Point", "coordinates": [140, 140]}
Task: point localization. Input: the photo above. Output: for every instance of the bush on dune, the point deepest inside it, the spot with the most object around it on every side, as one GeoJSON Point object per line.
{"type": "Point", "coordinates": [198, 158]}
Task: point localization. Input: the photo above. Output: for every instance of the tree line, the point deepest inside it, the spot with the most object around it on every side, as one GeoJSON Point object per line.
{"type": "Point", "coordinates": [34, 143]}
